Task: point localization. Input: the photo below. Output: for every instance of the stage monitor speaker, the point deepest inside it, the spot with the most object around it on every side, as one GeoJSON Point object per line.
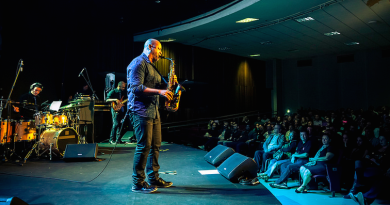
{"type": "Point", "coordinates": [80, 152]}
{"type": "Point", "coordinates": [236, 166]}
{"type": "Point", "coordinates": [11, 201]}
{"type": "Point", "coordinates": [218, 155]}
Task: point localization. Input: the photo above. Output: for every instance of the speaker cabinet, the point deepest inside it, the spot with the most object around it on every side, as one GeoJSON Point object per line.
{"type": "Point", "coordinates": [236, 166]}
{"type": "Point", "coordinates": [80, 152]}
{"type": "Point", "coordinates": [11, 201]}
{"type": "Point", "coordinates": [219, 154]}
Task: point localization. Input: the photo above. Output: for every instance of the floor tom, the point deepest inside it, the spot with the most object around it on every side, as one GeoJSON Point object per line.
{"type": "Point", "coordinates": [7, 131]}
{"type": "Point", "coordinates": [25, 130]}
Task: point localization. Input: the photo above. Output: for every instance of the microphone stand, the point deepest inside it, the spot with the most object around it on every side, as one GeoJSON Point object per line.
{"type": "Point", "coordinates": [88, 81]}
{"type": "Point", "coordinates": [19, 69]}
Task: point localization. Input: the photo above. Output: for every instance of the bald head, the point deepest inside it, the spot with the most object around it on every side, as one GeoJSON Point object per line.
{"type": "Point", "coordinates": [153, 49]}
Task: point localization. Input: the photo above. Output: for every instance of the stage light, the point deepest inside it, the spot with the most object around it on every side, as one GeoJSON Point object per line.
{"type": "Point", "coordinates": [351, 43]}
{"type": "Point", "coordinates": [288, 111]}
{"type": "Point", "coordinates": [168, 40]}
{"type": "Point", "coordinates": [254, 55]}
{"type": "Point", "coordinates": [247, 20]}
{"type": "Point", "coordinates": [304, 19]}
{"type": "Point", "coordinates": [332, 33]}
{"type": "Point", "coordinates": [224, 48]}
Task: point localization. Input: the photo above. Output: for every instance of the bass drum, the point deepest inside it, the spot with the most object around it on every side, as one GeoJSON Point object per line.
{"type": "Point", "coordinates": [59, 138]}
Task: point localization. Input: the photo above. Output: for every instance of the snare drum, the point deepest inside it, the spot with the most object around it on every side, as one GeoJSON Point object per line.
{"type": "Point", "coordinates": [60, 120]}
{"type": "Point", "coordinates": [25, 130]}
{"type": "Point", "coordinates": [7, 130]}
{"type": "Point", "coordinates": [59, 138]}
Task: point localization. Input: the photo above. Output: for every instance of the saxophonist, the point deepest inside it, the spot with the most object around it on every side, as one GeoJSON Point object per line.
{"type": "Point", "coordinates": [144, 88]}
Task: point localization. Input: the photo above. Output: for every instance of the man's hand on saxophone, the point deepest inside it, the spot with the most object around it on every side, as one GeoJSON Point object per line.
{"type": "Point", "coordinates": [165, 93]}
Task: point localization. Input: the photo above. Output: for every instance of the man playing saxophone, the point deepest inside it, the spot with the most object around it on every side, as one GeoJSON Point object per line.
{"type": "Point", "coordinates": [143, 90]}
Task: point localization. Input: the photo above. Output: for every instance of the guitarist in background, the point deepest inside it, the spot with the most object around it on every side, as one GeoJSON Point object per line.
{"type": "Point", "coordinates": [118, 110]}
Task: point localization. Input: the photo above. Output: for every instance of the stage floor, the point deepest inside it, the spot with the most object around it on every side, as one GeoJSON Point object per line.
{"type": "Point", "coordinates": [44, 182]}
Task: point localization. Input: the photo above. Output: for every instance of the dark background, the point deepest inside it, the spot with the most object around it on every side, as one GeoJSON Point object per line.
{"type": "Point", "coordinates": [57, 40]}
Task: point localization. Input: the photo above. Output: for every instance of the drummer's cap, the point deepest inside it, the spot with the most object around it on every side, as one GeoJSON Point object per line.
{"type": "Point", "coordinates": [34, 85]}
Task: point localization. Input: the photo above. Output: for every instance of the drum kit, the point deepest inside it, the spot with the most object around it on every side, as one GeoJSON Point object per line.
{"type": "Point", "coordinates": [48, 133]}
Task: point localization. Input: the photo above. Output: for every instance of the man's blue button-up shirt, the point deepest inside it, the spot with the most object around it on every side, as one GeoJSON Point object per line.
{"type": "Point", "coordinates": [142, 74]}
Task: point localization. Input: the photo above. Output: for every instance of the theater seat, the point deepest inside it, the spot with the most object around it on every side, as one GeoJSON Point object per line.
{"type": "Point", "coordinates": [333, 177]}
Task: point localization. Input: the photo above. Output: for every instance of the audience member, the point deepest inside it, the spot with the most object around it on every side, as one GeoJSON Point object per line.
{"type": "Point", "coordinates": [245, 121]}
{"type": "Point", "coordinates": [358, 152]}
{"type": "Point", "coordinates": [264, 120]}
{"type": "Point", "coordinates": [290, 132]}
{"type": "Point", "coordinates": [303, 122]}
{"type": "Point", "coordinates": [279, 120]}
{"type": "Point", "coordinates": [273, 143]}
{"type": "Point", "coordinates": [268, 132]}
{"type": "Point", "coordinates": [225, 131]}
{"type": "Point", "coordinates": [317, 121]}
{"type": "Point", "coordinates": [258, 121]}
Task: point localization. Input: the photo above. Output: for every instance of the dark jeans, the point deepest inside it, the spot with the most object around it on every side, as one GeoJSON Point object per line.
{"type": "Point", "coordinates": [148, 134]}
{"type": "Point", "coordinates": [116, 122]}
{"type": "Point", "coordinates": [260, 157]}
{"type": "Point", "coordinates": [288, 168]}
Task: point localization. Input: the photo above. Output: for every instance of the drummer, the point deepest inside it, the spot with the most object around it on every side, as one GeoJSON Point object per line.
{"type": "Point", "coordinates": [31, 102]}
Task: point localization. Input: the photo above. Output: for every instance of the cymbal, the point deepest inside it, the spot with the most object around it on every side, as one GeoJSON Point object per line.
{"type": "Point", "coordinates": [73, 106]}
{"type": "Point", "coordinates": [79, 100]}
{"type": "Point", "coordinates": [67, 106]}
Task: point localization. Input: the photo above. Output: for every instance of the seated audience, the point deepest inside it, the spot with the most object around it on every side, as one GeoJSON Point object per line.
{"type": "Point", "coordinates": [254, 140]}
{"type": "Point", "coordinates": [370, 173]}
{"type": "Point", "coordinates": [358, 152]}
{"type": "Point", "coordinates": [242, 138]}
{"type": "Point", "coordinates": [316, 165]}
{"type": "Point", "coordinates": [282, 155]}
{"type": "Point", "coordinates": [235, 134]}
{"type": "Point", "coordinates": [299, 158]}
{"type": "Point", "coordinates": [369, 134]}
{"type": "Point", "coordinates": [213, 138]}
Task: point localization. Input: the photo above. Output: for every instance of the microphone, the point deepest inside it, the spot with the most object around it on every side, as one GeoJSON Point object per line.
{"type": "Point", "coordinates": [21, 65]}
{"type": "Point", "coordinates": [81, 71]}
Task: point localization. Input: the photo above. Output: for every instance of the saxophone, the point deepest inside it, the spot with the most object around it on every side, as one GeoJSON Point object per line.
{"type": "Point", "coordinates": [175, 88]}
